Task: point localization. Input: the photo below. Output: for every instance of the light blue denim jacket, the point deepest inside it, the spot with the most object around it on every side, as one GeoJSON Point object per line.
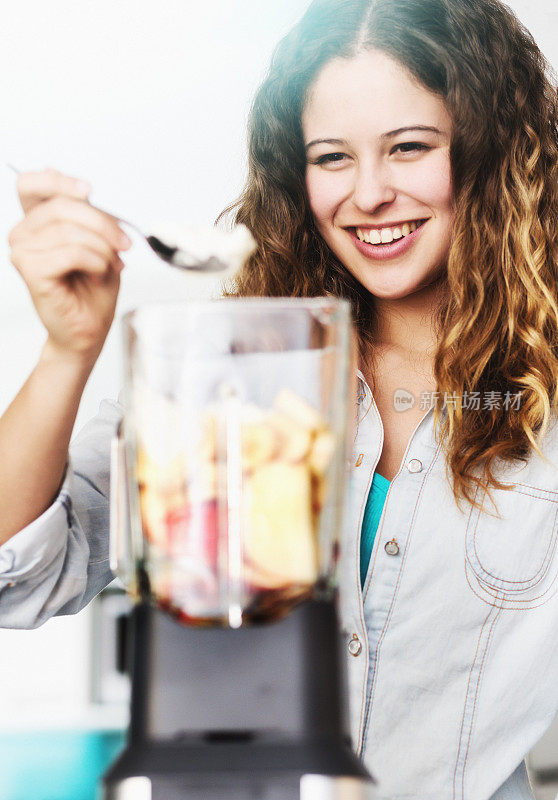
{"type": "Point", "coordinates": [451, 647]}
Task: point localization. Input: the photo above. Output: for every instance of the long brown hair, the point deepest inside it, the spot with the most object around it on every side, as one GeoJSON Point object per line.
{"type": "Point", "coordinates": [497, 323]}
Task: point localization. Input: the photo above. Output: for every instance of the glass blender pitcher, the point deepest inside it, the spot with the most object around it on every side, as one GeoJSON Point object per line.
{"type": "Point", "coordinates": [235, 432]}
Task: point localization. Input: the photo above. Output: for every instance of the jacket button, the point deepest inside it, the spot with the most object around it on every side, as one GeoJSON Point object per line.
{"type": "Point", "coordinates": [414, 465]}
{"type": "Point", "coordinates": [391, 548]}
{"type": "Point", "coordinates": [355, 647]}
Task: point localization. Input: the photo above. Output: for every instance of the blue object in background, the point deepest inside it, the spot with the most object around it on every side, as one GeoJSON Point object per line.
{"type": "Point", "coordinates": [56, 765]}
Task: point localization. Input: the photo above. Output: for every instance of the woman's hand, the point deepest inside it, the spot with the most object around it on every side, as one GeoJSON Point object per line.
{"type": "Point", "coordinates": [67, 253]}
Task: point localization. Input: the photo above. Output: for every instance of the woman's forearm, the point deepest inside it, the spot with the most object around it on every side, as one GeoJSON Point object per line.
{"type": "Point", "coordinates": [35, 433]}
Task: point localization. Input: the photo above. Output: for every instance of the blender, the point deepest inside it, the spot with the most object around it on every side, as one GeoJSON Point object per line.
{"type": "Point", "coordinates": [228, 479]}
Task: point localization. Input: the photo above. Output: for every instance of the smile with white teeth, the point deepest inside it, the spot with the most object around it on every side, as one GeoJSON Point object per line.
{"type": "Point", "coordinates": [387, 235]}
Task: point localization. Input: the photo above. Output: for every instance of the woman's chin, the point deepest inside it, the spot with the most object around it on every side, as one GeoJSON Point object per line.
{"type": "Point", "coordinates": [394, 289]}
{"type": "Point", "coordinates": [391, 291]}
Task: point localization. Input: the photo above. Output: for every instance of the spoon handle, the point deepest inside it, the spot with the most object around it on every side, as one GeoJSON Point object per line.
{"type": "Point", "coordinates": [116, 216]}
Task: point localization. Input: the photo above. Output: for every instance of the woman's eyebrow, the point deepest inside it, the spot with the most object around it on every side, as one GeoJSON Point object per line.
{"type": "Point", "coordinates": [326, 141]}
{"type": "Point", "coordinates": [427, 128]}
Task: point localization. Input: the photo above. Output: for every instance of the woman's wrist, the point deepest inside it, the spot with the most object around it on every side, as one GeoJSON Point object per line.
{"type": "Point", "coordinates": [77, 365]}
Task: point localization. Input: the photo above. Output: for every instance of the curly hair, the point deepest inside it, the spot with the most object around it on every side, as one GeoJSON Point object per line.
{"type": "Point", "coordinates": [497, 320]}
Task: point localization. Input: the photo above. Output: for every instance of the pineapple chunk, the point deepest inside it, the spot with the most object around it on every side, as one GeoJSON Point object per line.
{"type": "Point", "coordinates": [279, 538]}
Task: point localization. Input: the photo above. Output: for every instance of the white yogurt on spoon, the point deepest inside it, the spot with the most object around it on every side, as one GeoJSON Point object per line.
{"type": "Point", "coordinates": [201, 243]}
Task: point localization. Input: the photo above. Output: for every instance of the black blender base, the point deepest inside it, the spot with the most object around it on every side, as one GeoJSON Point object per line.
{"type": "Point", "coordinates": [256, 713]}
{"type": "Point", "coordinates": [274, 770]}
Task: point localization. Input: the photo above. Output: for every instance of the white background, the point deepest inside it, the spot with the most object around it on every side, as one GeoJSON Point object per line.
{"type": "Point", "coordinates": [148, 101]}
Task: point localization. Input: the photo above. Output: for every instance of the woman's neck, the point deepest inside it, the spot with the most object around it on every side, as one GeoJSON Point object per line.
{"type": "Point", "coordinates": [404, 335]}
{"type": "Point", "coordinates": [406, 326]}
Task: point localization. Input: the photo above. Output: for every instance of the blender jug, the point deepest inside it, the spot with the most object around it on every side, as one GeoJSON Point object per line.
{"type": "Point", "coordinates": [235, 429]}
{"type": "Point", "coordinates": [227, 490]}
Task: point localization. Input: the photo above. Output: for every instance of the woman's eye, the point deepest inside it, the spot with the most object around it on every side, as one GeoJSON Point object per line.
{"type": "Point", "coordinates": [410, 147]}
{"type": "Point", "coordinates": [329, 158]}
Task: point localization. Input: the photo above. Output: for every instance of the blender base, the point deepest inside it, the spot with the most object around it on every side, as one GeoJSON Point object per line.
{"type": "Point", "coordinates": [246, 772]}
{"type": "Point", "coordinates": [255, 713]}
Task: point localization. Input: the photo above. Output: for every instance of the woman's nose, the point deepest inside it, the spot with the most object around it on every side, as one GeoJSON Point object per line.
{"type": "Point", "coordinates": [372, 187]}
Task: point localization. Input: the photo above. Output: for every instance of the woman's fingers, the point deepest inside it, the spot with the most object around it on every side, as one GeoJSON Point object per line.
{"type": "Point", "coordinates": [36, 187]}
{"type": "Point", "coordinates": [59, 210]}
{"type": "Point", "coordinates": [59, 261]}
{"type": "Point", "coordinates": [57, 238]}
{"type": "Point", "coordinates": [52, 235]}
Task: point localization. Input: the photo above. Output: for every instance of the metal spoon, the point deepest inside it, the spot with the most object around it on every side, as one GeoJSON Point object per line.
{"type": "Point", "coordinates": [169, 253]}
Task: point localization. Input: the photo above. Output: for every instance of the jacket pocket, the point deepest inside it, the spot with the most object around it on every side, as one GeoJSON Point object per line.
{"type": "Point", "coordinates": [511, 560]}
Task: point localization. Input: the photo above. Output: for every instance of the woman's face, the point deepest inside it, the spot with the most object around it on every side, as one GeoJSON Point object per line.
{"type": "Point", "coordinates": [378, 167]}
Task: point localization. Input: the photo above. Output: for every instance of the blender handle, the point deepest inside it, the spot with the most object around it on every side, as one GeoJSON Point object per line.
{"type": "Point", "coordinates": [118, 505]}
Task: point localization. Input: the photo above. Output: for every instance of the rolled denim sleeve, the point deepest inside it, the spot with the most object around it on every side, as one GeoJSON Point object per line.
{"type": "Point", "coordinates": [60, 561]}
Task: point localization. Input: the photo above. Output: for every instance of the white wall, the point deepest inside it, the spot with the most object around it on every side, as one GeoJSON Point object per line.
{"type": "Point", "coordinates": [148, 101]}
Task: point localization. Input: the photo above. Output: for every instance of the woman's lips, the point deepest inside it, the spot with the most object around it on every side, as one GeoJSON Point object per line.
{"type": "Point", "coordinates": [382, 252]}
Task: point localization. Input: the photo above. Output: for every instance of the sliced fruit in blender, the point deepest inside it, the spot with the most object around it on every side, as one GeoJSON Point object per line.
{"type": "Point", "coordinates": [285, 453]}
{"type": "Point", "coordinates": [193, 531]}
{"type": "Point", "coordinates": [259, 442]}
{"type": "Point", "coordinates": [295, 440]}
{"type": "Point", "coordinates": [279, 535]}
{"type": "Point", "coordinates": [166, 476]}
{"type": "Point", "coordinates": [300, 410]}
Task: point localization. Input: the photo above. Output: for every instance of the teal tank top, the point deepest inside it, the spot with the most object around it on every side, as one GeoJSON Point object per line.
{"type": "Point", "coordinates": [371, 519]}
